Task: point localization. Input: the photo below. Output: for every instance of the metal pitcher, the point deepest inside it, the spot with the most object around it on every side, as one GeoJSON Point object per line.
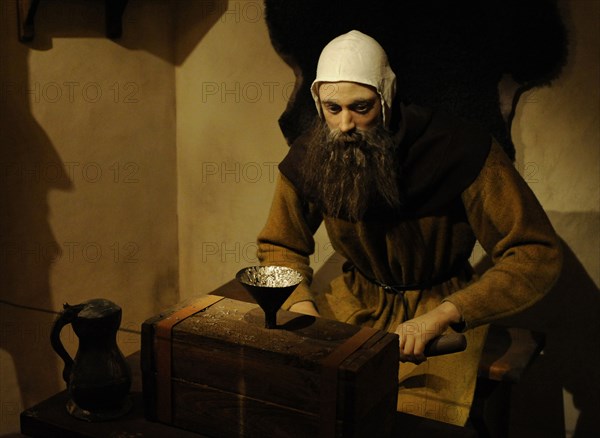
{"type": "Point", "coordinates": [98, 379]}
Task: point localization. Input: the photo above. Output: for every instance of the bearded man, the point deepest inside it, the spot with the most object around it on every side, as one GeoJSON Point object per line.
{"type": "Point", "coordinates": [404, 193]}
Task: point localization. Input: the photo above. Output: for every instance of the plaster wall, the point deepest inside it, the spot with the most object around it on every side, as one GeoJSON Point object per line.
{"type": "Point", "coordinates": [231, 89]}
{"type": "Point", "coordinates": [88, 182]}
{"type": "Point", "coordinates": [557, 138]}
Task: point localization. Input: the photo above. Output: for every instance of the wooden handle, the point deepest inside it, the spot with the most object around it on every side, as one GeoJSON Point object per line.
{"type": "Point", "coordinates": [446, 344]}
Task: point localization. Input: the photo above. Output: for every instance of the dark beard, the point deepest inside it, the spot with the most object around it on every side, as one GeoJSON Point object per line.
{"type": "Point", "coordinates": [346, 173]}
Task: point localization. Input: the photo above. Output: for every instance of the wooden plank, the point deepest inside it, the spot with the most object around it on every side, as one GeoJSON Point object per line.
{"type": "Point", "coordinates": [371, 372]}
{"type": "Point", "coordinates": [26, 10]}
{"type": "Point", "coordinates": [374, 423]}
{"type": "Point", "coordinates": [148, 356]}
{"type": "Point", "coordinates": [114, 17]}
{"type": "Point", "coordinates": [508, 352]}
{"type": "Point", "coordinates": [148, 369]}
{"type": "Point", "coordinates": [163, 346]}
{"type": "Point", "coordinates": [244, 370]}
{"type": "Point", "coordinates": [221, 413]}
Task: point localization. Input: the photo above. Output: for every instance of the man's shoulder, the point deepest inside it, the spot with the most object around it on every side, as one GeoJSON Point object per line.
{"type": "Point", "coordinates": [443, 160]}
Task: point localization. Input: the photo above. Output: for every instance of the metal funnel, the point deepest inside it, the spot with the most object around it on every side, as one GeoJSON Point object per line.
{"type": "Point", "coordinates": [270, 286]}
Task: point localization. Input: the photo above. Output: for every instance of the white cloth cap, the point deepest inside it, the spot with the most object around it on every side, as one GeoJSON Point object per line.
{"type": "Point", "coordinates": [356, 57]}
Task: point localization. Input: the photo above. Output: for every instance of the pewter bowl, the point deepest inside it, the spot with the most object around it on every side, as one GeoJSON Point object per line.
{"type": "Point", "coordinates": [270, 286]}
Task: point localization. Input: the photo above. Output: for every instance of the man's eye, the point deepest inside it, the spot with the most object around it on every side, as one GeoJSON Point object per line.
{"type": "Point", "coordinates": [333, 109]}
{"type": "Point", "coordinates": [362, 109]}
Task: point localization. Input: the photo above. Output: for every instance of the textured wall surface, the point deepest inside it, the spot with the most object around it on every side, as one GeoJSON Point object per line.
{"type": "Point", "coordinates": [557, 134]}
{"type": "Point", "coordinates": [88, 181]}
{"type": "Point", "coordinates": [231, 89]}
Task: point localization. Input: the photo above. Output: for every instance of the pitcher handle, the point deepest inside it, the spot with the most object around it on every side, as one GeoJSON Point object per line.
{"type": "Point", "coordinates": [66, 317]}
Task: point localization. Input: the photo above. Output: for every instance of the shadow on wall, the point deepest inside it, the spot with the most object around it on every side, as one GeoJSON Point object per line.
{"type": "Point", "coordinates": [194, 19]}
{"type": "Point", "coordinates": [568, 315]}
{"type": "Point", "coordinates": [191, 21]}
{"type": "Point", "coordinates": [30, 169]}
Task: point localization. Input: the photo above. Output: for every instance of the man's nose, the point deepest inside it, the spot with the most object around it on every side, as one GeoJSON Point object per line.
{"type": "Point", "coordinates": [346, 122]}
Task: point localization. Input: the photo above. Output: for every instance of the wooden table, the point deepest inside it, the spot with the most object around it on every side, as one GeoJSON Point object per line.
{"type": "Point", "coordinates": [49, 419]}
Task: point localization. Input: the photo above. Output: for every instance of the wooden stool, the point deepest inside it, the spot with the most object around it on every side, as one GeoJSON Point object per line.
{"type": "Point", "coordinates": [507, 356]}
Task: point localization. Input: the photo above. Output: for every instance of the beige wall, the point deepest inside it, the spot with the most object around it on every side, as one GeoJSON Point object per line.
{"type": "Point", "coordinates": [231, 90]}
{"type": "Point", "coordinates": [188, 167]}
{"type": "Point", "coordinates": [88, 181]}
{"type": "Point", "coordinates": [557, 136]}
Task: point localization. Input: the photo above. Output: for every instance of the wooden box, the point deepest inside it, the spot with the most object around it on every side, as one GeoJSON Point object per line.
{"type": "Point", "coordinates": [210, 366]}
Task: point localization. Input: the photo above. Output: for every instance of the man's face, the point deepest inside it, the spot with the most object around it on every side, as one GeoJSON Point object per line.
{"type": "Point", "coordinates": [351, 161]}
{"type": "Point", "coordinates": [349, 106]}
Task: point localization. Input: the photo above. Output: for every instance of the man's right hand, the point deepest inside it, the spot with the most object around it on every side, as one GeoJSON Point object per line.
{"type": "Point", "coordinates": [306, 307]}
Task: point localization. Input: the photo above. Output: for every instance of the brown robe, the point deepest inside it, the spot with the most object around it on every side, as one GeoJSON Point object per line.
{"type": "Point", "coordinates": [498, 209]}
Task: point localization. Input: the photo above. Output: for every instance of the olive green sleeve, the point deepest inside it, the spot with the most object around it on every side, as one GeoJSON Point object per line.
{"type": "Point", "coordinates": [514, 230]}
{"type": "Point", "coordinates": [287, 238]}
